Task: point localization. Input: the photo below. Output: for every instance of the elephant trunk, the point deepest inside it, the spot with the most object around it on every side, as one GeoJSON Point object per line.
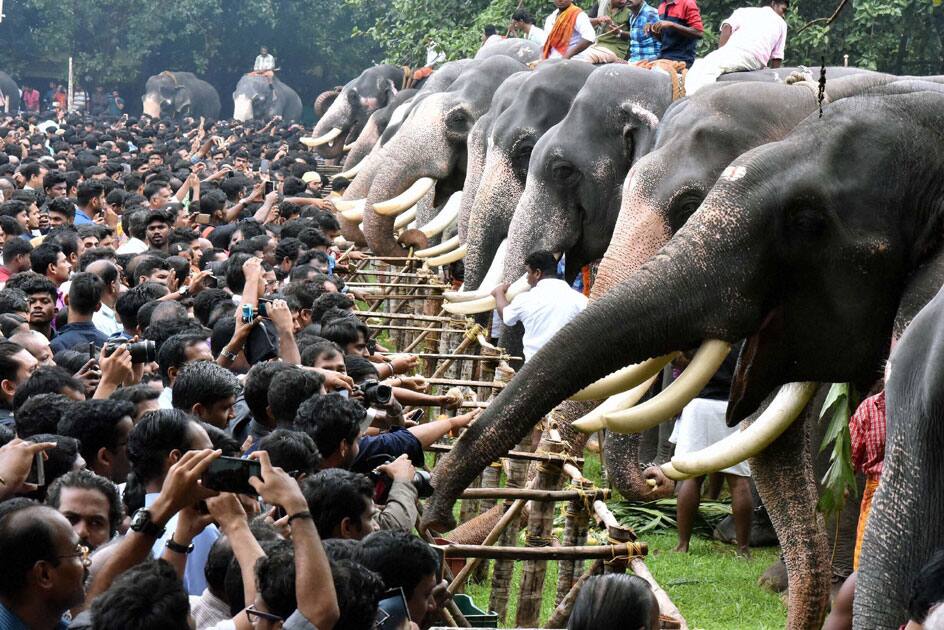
{"type": "Point", "coordinates": [362, 146]}
{"type": "Point", "coordinates": [477, 152]}
{"type": "Point", "coordinates": [152, 105]}
{"type": "Point", "coordinates": [541, 221]}
{"type": "Point", "coordinates": [642, 318]}
{"type": "Point", "coordinates": [325, 100]}
{"type": "Point", "coordinates": [339, 116]}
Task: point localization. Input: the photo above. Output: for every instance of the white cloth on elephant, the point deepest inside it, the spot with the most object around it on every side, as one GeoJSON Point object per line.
{"type": "Point", "coordinates": [545, 309]}
{"type": "Point", "coordinates": [536, 35]}
{"type": "Point", "coordinates": [597, 54]}
{"type": "Point", "coordinates": [701, 424]}
{"type": "Point", "coordinates": [583, 29]}
{"type": "Point", "coordinates": [706, 71]}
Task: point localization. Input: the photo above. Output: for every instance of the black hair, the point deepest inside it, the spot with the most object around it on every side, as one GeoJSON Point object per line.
{"type": "Point", "coordinates": [218, 561]}
{"type": "Point", "coordinates": [8, 365]}
{"type": "Point", "coordinates": [131, 301]}
{"type": "Point", "coordinates": [173, 352]}
{"type": "Point", "coordinates": [490, 29]}
{"type": "Point", "coordinates": [275, 575]}
{"type": "Point", "coordinates": [85, 293]}
{"type": "Point", "coordinates": [41, 414]}
{"type": "Point", "coordinates": [206, 301]}
{"type": "Point", "coordinates": [160, 330]}
{"type": "Point", "coordinates": [543, 261]}
{"type": "Point", "coordinates": [135, 394]}
{"type": "Point", "coordinates": [221, 440]}
{"type": "Point", "coordinates": [44, 255]}
{"type": "Point", "coordinates": [287, 248]}
{"type": "Point", "coordinates": [147, 265]}
{"type": "Point", "coordinates": [153, 438]}
{"type": "Point", "coordinates": [88, 190]}
{"type": "Point", "coordinates": [203, 382]}
{"type": "Point", "coordinates": [235, 278]}
{"type": "Point", "coordinates": [30, 283]}
{"type": "Point", "coordinates": [24, 541]}
{"type": "Point", "coordinates": [14, 247]}
{"type": "Point", "coordinates": [613, 601]}
{"type": "Point", "coordinates": [94, 423]}
{"type": "Point", "coordinates": [313, 237]}
{"type": "Point", "coordinates": [256, 390]}
{"type": "Point", "coordinates": [95, 254]}
{"type": "Point", "coordinates": [335, 494]}
{"type": "Point", "coordinates": [318, 349]}
{"type": "Point", "coordinates": [292, 451]}
{"type": "Point", "coordinates": [46, 379]}
{"type": "Point", "coordinates": [59, 459]}
{"type": "Point", "coordinates": [65, 237]}
{"type": "Point", "coordinates": [63, 206]}
{"type": "Point", "coordinates": [149, 596]}
{"type": "Point", "coordinates": [153, 187]}
{"type": "Point", "coordinates": [88, 480]}
{"type": "Point", "coordinates": [329, 420]}
{"type": "Point", "coordinates": [401, 559]}
{"type": "Point", "coordinates": [13, 301]}
{"type": "Point", "coordinates": [288, 389]}
{"type": "Point", "coordinates": [327, 301]}
{"type": "Point", "coordinates": [358, 591]}
{"type": "Point", "coordinates": [522, 15]}
{"type": "Point", "coordinates": [345, 331]}
{"type": "Point", "coordinates": [293, 186]}
{"type": "Point", "coordinates": [359, 368]}
{"type": "Point", "coordinates": [53, 178]}
{"type": "Point", "coordinates": [928, 588]}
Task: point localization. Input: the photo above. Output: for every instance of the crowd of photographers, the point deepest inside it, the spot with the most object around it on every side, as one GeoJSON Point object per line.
{"type": "Point", "coordinates": [197, 427]}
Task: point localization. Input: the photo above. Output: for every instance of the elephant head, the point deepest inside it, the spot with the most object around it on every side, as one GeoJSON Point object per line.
{"type": "Point", "coordinates": [539, 104]}
{"type": "Point", "coordinates": [165, 95]}
{"type": "Point", "coordinates": [429, 150]}
{"type": "Point", "coordinates": [349, 111]}
{"type": "Point", "coordinates": [375, 126]}
{"type": "Point", "coordinates": [254, 97]}
{"type": "Point", "coordinates": [804, 247]}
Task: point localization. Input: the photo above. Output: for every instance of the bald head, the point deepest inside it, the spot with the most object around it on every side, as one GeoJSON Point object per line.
{"type": "Point", "coordinates": [36, 344]}
{"type": "Point", "coordinates": [106, 270]}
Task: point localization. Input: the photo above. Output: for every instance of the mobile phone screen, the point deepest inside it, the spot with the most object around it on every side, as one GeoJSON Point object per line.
{"type": "Point", "coordinates": [392, 611]}
{"type": "Point", "coordinates": [232, 474]}
{"type": "Point", "coordinates": [37, 474]}
{"type": "Point", "coordinates": [268, 187]}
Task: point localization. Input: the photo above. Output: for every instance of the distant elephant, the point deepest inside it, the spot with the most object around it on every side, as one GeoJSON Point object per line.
{"type": "Point", "coordinates": [11, 92]}
{"type": "Point", "coordinates": [523, 50]}
{"type": "Point", "coordinates": [806, 247]}
{"type": "Point", "coordinates": [260, 96]}
{"type": "Point", "coordinates": [177, 94]}
{"type": "Point", "coordinates": [500, 162]}
{"type": "Point", "coordinates": [352, 106]}
{"type": "Point", "coordinates": [428, 152]}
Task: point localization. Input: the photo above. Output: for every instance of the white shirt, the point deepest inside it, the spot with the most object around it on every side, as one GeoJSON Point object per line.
{"type": "Point", "coordinates": [758, 31]}
{"type": "Point", "coordinates": [132, 246]}
{"type": "Point", "coordinates": [536, 35]}
{"type": "Point", "coordinates": [105, 320]}
{"type": "Point", "coordinates": [264, 62]}
{"type": "Point", "coordinates": [583, 29]}
{"type": "Point", "coordinates": [545, 309]}
{"type": "Point", "coordinates": [165, 400]}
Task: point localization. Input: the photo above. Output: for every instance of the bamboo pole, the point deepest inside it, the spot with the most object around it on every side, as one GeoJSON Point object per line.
{"type": "Point", "coordinates": [539, 538]}
{"type": "Point", "coordinates": [419, 318]}
{"type": "Point", "coordinates": [561, 614]}
{"type": "Point", "coordinates": [490, 479]}
{"type": "Point", "coordinates": [621, 535]}
{"type": "Point", "coordinates": [492, 492]}
{"type": "Point", "coordinates": [503, 570]}
{"type": "Point", "coordinates": [543, 554]}
{"type": "Point", "coordinates": [406, 297]}
{"type": "Point", "coordinates": [575, 533]}
{"type": "Point", "coordinates": [447, 331]}
{"type": "Point", "coordinates": [403, 286]}
{"type": "Point", "coordinates": [666, 607]}
{"type": "Point", "coordinates": [468, 357]}
{"type": "Point", "coordinates": [515, 455]}
{"type": "Point", "coordinates": [461, 382]}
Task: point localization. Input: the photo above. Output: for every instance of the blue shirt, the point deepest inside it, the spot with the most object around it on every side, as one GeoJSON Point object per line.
{"type": "Point", "coordinates": [194, 579]}
{"type": "Point", "coordinates": [394, 443]}
{"type": "Point", "coordinates": [81, 218]}
{"type": "Point", "coordinates": [675, 46]}
{"type": "Point", "coordinates": [9, 621]}
{"type": "Point", "coordinates": [77, 333]}
{"type": "Point", "coordinates": [642, 45]}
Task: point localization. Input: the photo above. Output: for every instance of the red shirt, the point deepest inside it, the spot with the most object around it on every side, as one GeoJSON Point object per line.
{"type": "Point", "coordinates": [867, 430]}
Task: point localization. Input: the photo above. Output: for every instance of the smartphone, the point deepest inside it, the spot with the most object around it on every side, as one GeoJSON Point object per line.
{"type": "Point", "coordinates": [263, 305]}
{"type": "Point", "coordinates": [37, 474]}
{"type": "Point", "coordinates": [211, 282]}
{"type": "Point", "coordinates": [232, 474]}
{"type": "Point", "coordinates": [268, 186]}
{"type": "Point", "coordinates": [392, 611]}
{"type": "Point", "coordinates": [91, 349]}
{"type": "Point", "coordinates": [415, 415]}
{"type": "Point", "coordinates": [263, 165]}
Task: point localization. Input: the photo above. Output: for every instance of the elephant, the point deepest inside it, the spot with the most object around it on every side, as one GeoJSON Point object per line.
{"type": "Point", "coordinates": [429, 150]}
{"type": "Point", "coordinates": [507, 139]}
{"type": "Point", "coordinates": [10, 91]}
{"type": "Point", "coordinates": [371, 90]}
{"type": "Point", "coordinates": [523, 50]}
{"type": "Point", "coordinates": [374, 128]}
{"type": "Point", "coordinates": [904, 526]}
{"type": "Point", "coordinates": [261, 96]}
{"type": "Point", "coordinates": [780, 75]}
{"type": "Point", "coordinates": [177, 94]}
{"type": "Point", "coordinates": [792, 249]}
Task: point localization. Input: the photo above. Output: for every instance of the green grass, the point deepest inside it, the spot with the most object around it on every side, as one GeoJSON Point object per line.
{"type": "Point", "coordinates": [712, 587]}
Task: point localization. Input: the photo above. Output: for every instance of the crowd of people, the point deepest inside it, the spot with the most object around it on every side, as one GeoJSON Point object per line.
{"type": "Point", "coordinates": [56, 98]}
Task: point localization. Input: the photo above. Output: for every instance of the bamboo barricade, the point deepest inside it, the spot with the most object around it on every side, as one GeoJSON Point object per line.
{"type": "Point", "coordinates": [540, 524]}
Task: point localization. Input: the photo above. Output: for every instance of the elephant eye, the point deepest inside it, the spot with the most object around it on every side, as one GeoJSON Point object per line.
{"type": "Point", "coordinates": [565, 173]}
{"type": "Point", "coordinates": [806, 219]}
{"type": "Point", "coordinates": [458, 120]}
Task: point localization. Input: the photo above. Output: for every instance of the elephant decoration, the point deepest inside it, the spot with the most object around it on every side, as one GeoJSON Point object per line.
{"type": "Point", "coordinates": [263, 95]}
{"type": "Point", "coordinates": [178, 94]}
{"type": "Point", "coordinates": [10, 91]}
{"type": "Point", "coordinates": [806, 247]}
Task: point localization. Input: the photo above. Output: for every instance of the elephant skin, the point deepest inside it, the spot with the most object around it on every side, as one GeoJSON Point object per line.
{"type": "Point", "coordinates": [178, 94]}
{"type": "Point", "coordinates": [432, 143]}
{"type": "Point", "coordinates": [11, 91]}
{"type": "Point", "coordinates": [371, 90]}
{"type": "Point", "coordinates": [521, 50]}
{"type": "Point", "coordinates": [513, 131]}
{"type": "Point", "coordinates": [258, 97]}
{"type": "Point", "coordinates": [803, 246]}
{"type": "Point", "coordinates": [779, 75]}
{"type": "Point", "coordinates": [374, 128]}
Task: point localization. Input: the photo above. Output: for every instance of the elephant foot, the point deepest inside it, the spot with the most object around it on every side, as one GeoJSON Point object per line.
{"type": "Point", "coordinates": [774, 579]}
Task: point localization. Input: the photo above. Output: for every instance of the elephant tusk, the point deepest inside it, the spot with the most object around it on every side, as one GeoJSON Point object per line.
{"type": "Point", "coordinates": [446, 217]}
{"type": "Point", "coordinates": [347, 147]}
{"type": "Point", "coordinates": [311, 143]}
{"type": "Point", "coordinates": [673, 399]}
{"type": "Point", "coordinates": [351, 172]}
{"type": "Point", "coordinates": [448, 258]}
{"type": "Point", "coordinates": [355, 213]}
{"type": "Point", "coordinates": [670, 471]}
{"type": "Point", "coordinates": [748, 442]}
{"type": "Point", "coordinates": [347, 204]}
{"type": "Point", "coordinates": [405, 219]}
{"type": "Point", "coordinates": [621, 380]}
{"type": "Point", "coordinates": [435, 250]}
{"type": "Point", "coordinates": [489, 282]}
{"type": "Point", "coordinates": [488, 303]}
{"type": "Point", "coordinates": [593, 421]}
{"type": "Point", "coordinates": [406, 199]}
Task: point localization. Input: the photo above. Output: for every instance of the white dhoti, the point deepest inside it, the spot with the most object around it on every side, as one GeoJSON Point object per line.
{"type": "Point", "coordinates": [597, 54]}
{"type": "Point", "coordinates": [726, 59]}
{"type": "Point", "coordinates": [701, 424]}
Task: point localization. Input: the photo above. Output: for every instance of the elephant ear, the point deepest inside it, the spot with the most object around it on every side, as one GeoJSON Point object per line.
{"type": "Point", "coordinates": [639, 130]}
{"type": "Point", "coordinates": [386, 90]}
{"type": "Point", "coordinates": [181, 99]}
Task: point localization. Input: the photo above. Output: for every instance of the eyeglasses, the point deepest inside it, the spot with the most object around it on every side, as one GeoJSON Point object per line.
{"type": "Point", "coordinates": [254, 615]}
{"type": "Point", "coordinates": [81, 551]}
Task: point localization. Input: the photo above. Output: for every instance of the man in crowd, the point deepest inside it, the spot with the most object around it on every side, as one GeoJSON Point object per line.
{"type": "Point", "coordinates": [611, 20]}
{"type": "Point", "coordinates": [643, 45]}
{"type": "Point", "coordinates": [569, 32]}
{"type": "Point", "coordinates": [85, 297]}
{"type": "Point", "coordinates": [91, 505]}
{"type": "Point", "coordinates": [751, 39]}
{"type": "Point", "coordinates": [264, 61]}
{"type": "Point", "coordinates": [679, 28]}
{"type": "Point", "coordinates": [16, 258]}
{"type": "Point", "coordinates": [523, 24]}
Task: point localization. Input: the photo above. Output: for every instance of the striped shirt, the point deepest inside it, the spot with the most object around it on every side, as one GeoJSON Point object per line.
{"type": "Point", "coordinates": [867, 433]}
{"type": "Point", "coordinates": [643, 46]}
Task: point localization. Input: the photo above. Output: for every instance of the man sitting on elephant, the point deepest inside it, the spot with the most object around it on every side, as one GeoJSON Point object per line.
{"type": "Point", "coordinates": [611, 19]}
{"type": "Point", "coordinates": [752, 38]}
{"type": "Point", "coordinates": [569, 32]}
{"type": "Point", "coordinates": [546, 308]}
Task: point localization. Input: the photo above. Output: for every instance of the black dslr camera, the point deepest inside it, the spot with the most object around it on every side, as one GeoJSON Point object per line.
{"type": "Point", "coordinates": [141, 352]}
{"type": "Point", "coordinates": [376, 394]}
{"type": "Point", "coordinates": [383, 482]}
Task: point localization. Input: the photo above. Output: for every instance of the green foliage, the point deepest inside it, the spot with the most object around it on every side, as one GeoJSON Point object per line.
{"type": "Point", "coordinates": [649, 516]}
{"type": "Point", "coordinates": [839, 479]}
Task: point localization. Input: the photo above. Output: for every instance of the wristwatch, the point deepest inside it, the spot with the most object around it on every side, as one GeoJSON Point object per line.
{"type": "Point", "coordinates": [231, 356]}
{"type": "Point", "coordinates": [141, 522]}
{"type": "Point", "coordinates": [177, 547]}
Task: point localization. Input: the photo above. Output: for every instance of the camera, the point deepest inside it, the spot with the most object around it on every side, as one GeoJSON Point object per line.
{"type": "Point", "coordinates": [375, 393]}
{"type": "Point", "coordinates": [383, 482]}
{"type": "Point", "coordinates": [141, 352]}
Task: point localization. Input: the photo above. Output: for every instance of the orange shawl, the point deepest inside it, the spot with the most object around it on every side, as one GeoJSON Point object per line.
{"type": "Point", "coordinates": [559, 37]}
